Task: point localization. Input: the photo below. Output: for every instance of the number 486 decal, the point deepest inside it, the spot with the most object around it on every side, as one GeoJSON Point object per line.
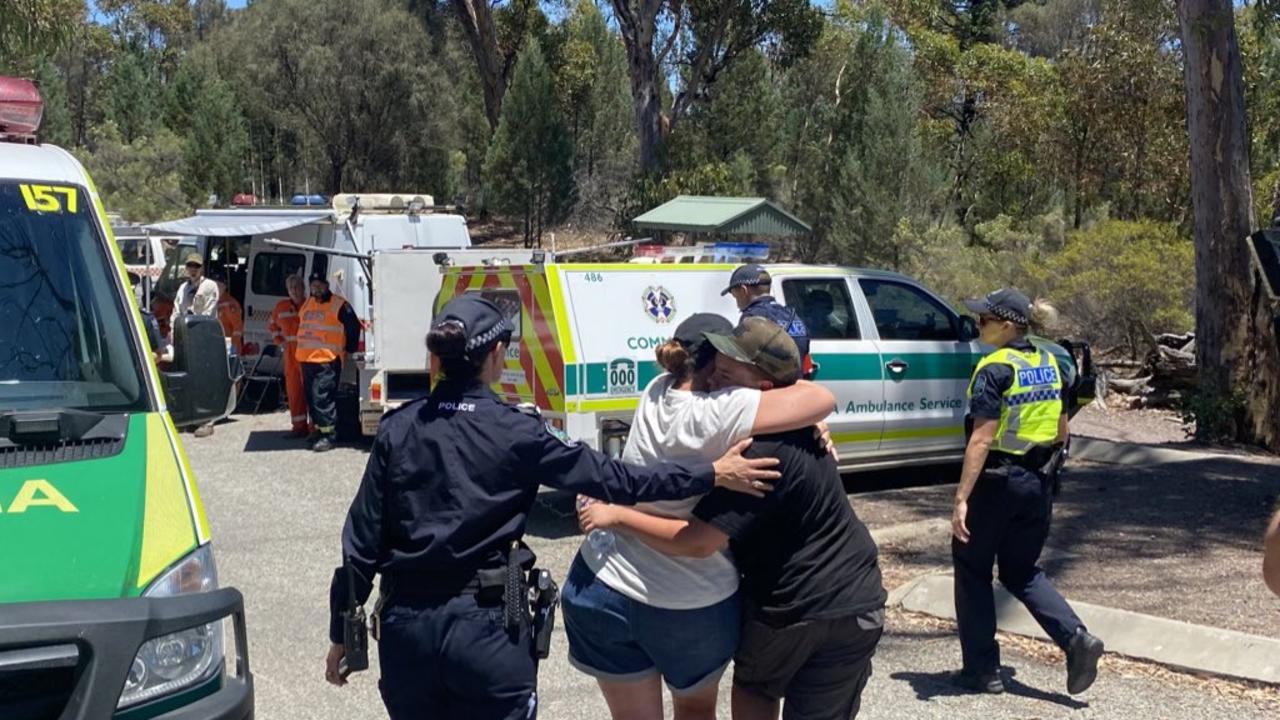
{"type": "Point", "coordinates": [50, 198]}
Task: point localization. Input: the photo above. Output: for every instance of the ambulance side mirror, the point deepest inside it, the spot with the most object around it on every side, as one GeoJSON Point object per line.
{"type": "Point", "coordinates": [198, 388]}
{"type": "Point", "coordinates": [968, 329]}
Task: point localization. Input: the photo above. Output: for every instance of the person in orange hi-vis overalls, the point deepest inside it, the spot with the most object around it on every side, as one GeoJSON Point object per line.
{"type": "Point", "coordinates": [284, 332]}
{"type": "Point", "coordinates": [230, 314]}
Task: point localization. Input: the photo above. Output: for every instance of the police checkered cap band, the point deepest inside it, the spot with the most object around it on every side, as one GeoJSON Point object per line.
{"type": "Point", "coordinates": [1005, 313]}
{"type": "Point", "coordinates": [490, 335]}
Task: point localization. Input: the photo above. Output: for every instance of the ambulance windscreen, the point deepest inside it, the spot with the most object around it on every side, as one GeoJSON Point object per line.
{"type": "Point", "coordinates": [66, 339]}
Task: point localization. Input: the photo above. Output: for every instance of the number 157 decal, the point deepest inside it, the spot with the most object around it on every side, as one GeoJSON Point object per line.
{"type": "Point", "coordinates": [50, 198]}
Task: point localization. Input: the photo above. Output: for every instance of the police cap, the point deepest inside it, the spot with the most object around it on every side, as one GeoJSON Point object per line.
{"type": "Point", "coordinates": [1006, 304]}
{"type": "Point", "coordinates": [748, 275]}
{"type": "Point", "coordinates": [481, 321]}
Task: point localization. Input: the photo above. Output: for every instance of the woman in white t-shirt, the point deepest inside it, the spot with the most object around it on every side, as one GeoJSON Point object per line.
{"type": "Point", "coordinates": [635, 616]}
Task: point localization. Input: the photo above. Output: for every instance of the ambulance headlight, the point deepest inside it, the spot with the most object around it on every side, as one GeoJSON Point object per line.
{"type": "Point", "coordinates": [176, 661]}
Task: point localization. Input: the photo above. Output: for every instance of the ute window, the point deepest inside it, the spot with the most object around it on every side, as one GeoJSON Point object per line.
{"type": "Point", "coordinates": [824, 306]}
{"type": "Point", "coordinates": [903, 312]}
{"type": "Point", "coordinates": [66, 340]}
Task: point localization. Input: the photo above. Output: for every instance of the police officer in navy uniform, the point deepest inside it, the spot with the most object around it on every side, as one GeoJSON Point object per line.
{"type": "Point", "coordinates": [1003, 504]}
{"type": "Point", "coordinates": [441, 511]}
{"type": "Point", "coordinates": [750, 285]}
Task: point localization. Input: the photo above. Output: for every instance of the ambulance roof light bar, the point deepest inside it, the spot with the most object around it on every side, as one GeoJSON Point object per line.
{"type": "Point", "coordinates": [21, 109]}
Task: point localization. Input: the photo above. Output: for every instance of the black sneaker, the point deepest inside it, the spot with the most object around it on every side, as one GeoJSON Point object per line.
{"type": "Point", "coordinates": [322, 445]}
{"type": "Point", "coordinates": [313, 437]}
{"type": "Point", "coordinates": [989, 683]}
{"type": "Point", "coordinates": [1083, 653]}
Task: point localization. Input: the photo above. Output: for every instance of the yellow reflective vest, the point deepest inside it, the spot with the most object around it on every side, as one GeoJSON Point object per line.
{"type": "Point", "coordinates": [1032, 404]}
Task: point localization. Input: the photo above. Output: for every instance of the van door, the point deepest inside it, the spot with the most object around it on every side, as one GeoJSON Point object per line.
{"type": "Point", "coordinates": [848, 359]}
{"type": "Point", "coordinates": [926, 366]}
{"type": "Point", "coordinates": [268, 269]}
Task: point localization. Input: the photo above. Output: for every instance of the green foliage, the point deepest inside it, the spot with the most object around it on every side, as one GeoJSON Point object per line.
{"type": "Point", "coordinates": [856, 163]}
{"type": "Point", "coordinates": [133, 102]}
{"type": "Point", "coordinates": [529, 168]}
{"type": "Point", "coordinates": [596, 97]}
{"type": "Point", "coordinates": [1125, 281]}
{"type": "Point", "coordinates": [216, 144]}
{"type": "Point", "coordinates": [350, 99]}
{"type": "Point", "coordinates": [142, 180]}
{"type": "Point", "coordinates": [33, 26]}
{"type": "Point", "coordinates": [55, 126]}
{"type": "Point", "coordinates": [1217, 415]}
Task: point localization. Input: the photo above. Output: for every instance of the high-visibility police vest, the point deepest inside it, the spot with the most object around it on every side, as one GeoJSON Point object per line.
{"type": "Point", "coordinates": [1032, 404]}
{"type": "Point", "coordinates": [320, 333]}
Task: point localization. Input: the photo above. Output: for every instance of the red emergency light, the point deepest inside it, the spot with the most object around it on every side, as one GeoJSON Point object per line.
{"type": "Point", "coordinates": [21, 108]}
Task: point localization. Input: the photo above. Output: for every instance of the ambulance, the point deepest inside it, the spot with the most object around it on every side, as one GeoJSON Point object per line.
{"type": "Point", "coordinates": [895, 355]}
{"type": "Point", "coordinates": [110, 605]}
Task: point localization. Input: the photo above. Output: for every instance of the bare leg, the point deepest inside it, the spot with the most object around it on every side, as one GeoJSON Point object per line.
{"type": "Point", "coordinates": [749, 705]}
{"type": "Point", "coordinates": [700, 705]}
{"type": "Point", "coordinates": [639, 700]}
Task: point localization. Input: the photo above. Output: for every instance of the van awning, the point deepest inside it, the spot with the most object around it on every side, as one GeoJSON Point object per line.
{"type": "Point", "coordinates": [232, 223]}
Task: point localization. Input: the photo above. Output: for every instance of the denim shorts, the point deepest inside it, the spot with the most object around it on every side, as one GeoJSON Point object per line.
{"type": "Point", "coordinates": [615, 638]}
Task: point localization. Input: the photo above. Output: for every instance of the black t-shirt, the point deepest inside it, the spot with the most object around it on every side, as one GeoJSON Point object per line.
{"type": "Point", "coordinates": [802, 551]}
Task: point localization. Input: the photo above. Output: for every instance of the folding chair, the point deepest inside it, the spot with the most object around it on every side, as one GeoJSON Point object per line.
{"type": "Point", "coordinates": [267, 372]}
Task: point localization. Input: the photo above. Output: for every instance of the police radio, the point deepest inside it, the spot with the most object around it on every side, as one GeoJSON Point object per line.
{"type": "Point", "coordinates": [355, 633]}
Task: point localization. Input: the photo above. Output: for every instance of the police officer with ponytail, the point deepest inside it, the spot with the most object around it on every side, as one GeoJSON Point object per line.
{"type": "Point", "coordinates": [1004, 501]}
{"type": "Point", "coordinates": [440, 515]}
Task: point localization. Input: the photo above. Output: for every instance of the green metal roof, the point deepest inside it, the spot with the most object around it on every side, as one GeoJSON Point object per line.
{"type": "Point", "coordinates": [722, 215]}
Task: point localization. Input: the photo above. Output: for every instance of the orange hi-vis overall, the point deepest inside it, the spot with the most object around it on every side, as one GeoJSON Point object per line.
{"type": "Point", "coordinates": [231, 315]}
{"type": "Point", "coordinates": [284, 332]}
{"type": "Point", "coordinates": [320, 333]}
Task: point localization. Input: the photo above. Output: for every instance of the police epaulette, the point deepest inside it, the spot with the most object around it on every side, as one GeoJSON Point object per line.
{"type": "Point", "coordinates": [528, 409]}
{"type": "Point", "coordinates": [412, 403]}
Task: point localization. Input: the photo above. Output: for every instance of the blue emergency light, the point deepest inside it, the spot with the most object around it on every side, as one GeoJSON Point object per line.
{"type": "Point", "coordinates": [740, 252]}
{"type": "Point", "coordinates": [309, 200]}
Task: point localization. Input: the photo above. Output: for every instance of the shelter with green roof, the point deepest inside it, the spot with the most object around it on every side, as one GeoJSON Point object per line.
{"type": "Point", "coordinates": [722, 216]}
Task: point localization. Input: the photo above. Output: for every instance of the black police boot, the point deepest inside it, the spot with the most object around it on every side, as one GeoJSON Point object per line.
{"type": "Point", "coordinates": [324, 444]}
{"type": "Point", "coordinates": [1083, 653]}
{"type": "Point", "coordinates": [989, 683]}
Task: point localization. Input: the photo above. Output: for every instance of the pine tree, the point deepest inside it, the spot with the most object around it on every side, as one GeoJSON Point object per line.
{"type": "Point", "coordinates": [530, 163]}
{"type": "Point", "coordinates": [55, 126]}
{"type": "Point", "coordinates": [216, 145]}
{"type": "Point", "coordinates": [133, 99]}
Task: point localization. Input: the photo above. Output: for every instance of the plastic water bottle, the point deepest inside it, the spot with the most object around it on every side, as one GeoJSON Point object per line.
{"type": "Point", "coordinates": [601, 540]}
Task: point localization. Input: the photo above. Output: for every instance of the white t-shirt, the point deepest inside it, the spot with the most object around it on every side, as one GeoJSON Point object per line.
{"type": "Point", "coordinates": [672, 426]}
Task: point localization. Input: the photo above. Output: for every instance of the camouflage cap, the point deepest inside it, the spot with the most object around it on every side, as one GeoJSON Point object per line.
{"type": "Point", "coordinates": [765, 344]}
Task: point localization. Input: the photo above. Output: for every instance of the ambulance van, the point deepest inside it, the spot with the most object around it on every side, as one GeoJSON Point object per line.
{"type": "Point", "coordinates": [110, 605]}
{"type": "Point", "coordinates": [897, 358]}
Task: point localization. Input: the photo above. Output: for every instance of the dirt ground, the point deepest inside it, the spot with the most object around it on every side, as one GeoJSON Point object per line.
{"type": "Point", "coordinates": [1179, 540]}
{"type": "Point", "coordinates": [1150, 427]}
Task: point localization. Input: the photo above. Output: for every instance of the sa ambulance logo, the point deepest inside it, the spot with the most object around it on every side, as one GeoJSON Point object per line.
{"type": "Point", "coordinates": [659, 304]}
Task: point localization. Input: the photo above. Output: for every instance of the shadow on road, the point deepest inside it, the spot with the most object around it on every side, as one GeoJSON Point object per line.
{"type": "Point", "coordinates": [273, 441]}
{"type": "Point", "coordinates": [928, 686]}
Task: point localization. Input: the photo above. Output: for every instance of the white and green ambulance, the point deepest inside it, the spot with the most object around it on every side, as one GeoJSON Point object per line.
{"type": "Point", "coordinates": [896, 356]}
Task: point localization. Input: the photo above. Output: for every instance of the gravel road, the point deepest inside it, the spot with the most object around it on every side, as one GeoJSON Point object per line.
{"type": "Point", "coordinates": [277, 511]}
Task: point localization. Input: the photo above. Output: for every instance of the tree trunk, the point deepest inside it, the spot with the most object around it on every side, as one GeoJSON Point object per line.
{"type": "Point", "coordinates": [1235, 339]}
{"type": "Point", "coordinates": [637, 23]}
{"type": "Point", "coordinates": [477, 22]}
